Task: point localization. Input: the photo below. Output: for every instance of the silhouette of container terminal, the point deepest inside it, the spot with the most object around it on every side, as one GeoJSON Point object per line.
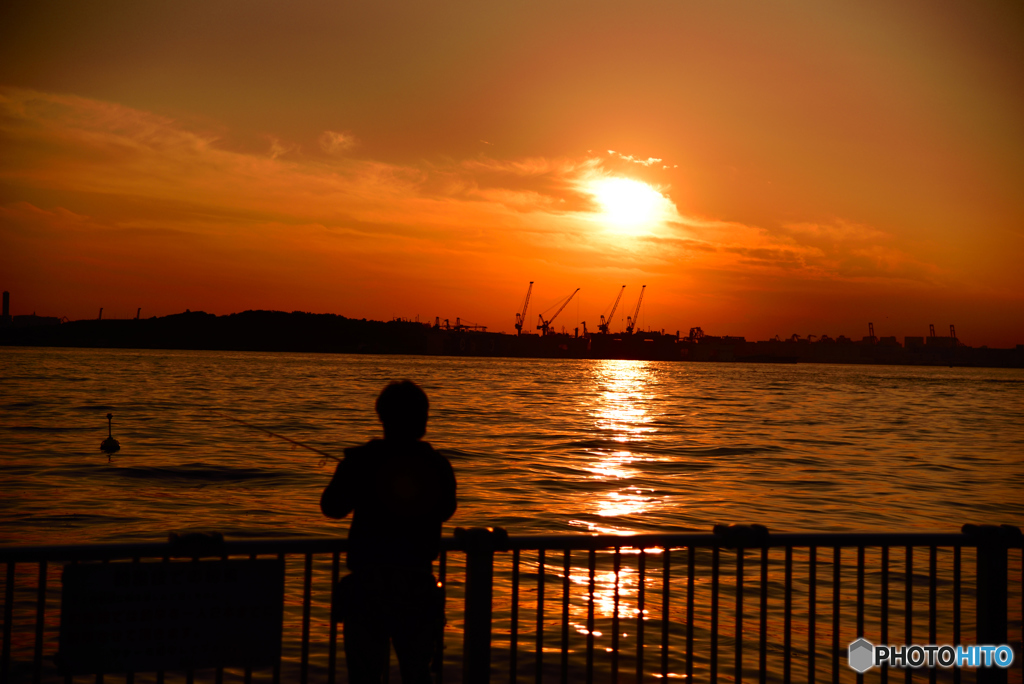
{"type": "Point", "coordinates": [739, 603]}
{"type": "Point", "coordinates": [329, 333]}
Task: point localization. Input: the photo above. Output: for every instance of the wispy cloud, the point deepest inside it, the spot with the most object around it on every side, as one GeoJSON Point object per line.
{"type": "Point", "coordinates": [837, 251]}
{"type": "Point", "coordinates": [333, 142]}
{"type": "Point", "coordinates": [650, 161]}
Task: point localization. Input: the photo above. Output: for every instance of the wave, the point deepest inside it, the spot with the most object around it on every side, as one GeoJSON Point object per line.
{"type": "Point", "coordinates": [463, 454]}
{"type": "Point", "coordinates": [640, 447]}
{"type": "Point", "coordinates": [193, 472]}
{"type": "Point", "coordinates": [39, 428]}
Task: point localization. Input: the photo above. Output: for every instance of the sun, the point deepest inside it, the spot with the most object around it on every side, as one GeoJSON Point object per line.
{"type": "Point", "coordinates": [627, 204]}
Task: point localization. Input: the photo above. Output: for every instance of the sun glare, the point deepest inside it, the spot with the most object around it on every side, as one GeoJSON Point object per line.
{"type": "Point", "coordinates": [628, 204]}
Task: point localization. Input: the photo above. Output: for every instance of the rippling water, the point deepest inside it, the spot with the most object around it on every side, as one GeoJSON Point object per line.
{"type": "Point", "coordinates": [537, 445]}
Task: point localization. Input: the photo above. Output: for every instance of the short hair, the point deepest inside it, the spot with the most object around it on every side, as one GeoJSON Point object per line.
{"type": "Point", "coordinates": [402, 407]}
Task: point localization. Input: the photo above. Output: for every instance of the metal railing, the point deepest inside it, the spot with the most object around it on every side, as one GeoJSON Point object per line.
{"type": "Point", "coordinates": [735, 605]}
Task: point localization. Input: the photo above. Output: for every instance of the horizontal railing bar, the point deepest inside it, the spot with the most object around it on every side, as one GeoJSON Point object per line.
{"type": "Point", "coordinates": [287, 545]}
{"type": "Point", "coordinates": [302, 545]}
{"type": "Point", "coordinates": [782, 539]}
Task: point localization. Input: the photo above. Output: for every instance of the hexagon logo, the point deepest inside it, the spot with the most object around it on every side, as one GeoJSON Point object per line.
{"type": "Point", "coordinates": [860, 655]}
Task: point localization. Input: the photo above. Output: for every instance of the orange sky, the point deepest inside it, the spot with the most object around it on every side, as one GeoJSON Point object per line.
{"type": "Point", "coordinates": [809, 166]}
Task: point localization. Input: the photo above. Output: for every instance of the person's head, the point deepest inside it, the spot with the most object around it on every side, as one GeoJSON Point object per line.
{"type": "Point", "coordinates": [402, 407]}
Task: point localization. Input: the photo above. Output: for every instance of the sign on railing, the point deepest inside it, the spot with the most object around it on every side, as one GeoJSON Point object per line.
{"type": "Point", "coordinates": [137, 617]}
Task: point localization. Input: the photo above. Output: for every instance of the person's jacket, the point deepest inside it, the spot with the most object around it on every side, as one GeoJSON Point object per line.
{"type": "Point", "coordinates": [400, 493]}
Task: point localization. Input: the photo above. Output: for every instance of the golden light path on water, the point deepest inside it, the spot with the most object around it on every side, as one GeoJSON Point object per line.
{"type": "Point", "coordinates": [622, 413]}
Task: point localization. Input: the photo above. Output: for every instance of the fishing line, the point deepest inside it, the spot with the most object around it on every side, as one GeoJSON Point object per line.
{"type": "Point", "coordinates": [287, 439]}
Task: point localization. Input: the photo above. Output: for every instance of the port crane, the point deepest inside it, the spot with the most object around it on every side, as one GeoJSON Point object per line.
{"type": "Point", "coordinates": [468, 325]}
{"type": "Point", "coordinates": [521, 317]}
{"type": "Point", "coordinates": [603, 325]}
{"type": "Point", "coordinates": [545, 326]}
{"type": "Point", "coordinates": [632, 320]}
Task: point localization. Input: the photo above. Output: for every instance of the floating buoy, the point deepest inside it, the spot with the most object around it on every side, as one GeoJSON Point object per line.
{"type": "Point", "coordinates": [110, 444]}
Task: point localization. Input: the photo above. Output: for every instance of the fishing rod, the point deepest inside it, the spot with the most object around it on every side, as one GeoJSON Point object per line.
{"type": "Point", "coordinates": [287, 439]}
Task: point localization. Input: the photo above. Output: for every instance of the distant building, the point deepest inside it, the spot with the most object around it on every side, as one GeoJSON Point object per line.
{"type": "Point", "coordinates": [890, 341]}
{"type": "Point", "coordinates": [913, 342]}
{"type": "Point", "coordinates": [6, 320]}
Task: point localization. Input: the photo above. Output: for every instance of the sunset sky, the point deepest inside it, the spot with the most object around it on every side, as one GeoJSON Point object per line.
{"type": "Point", "coordinates": [764, 168]}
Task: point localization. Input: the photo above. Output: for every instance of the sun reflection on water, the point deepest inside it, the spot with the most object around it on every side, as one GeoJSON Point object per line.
{"type": "Point", "coordinates": [619, 496]}
{"type": "Point", "coordinates": [620, 414]}
{"type": "Point", "coordinates": [615, 594]}
{"type": "Point", "coordinates": [622, 405]}
{"type": "Point", "coordinates": [614, 466]}
{"type": "Point", "coordinates": [629, 502]}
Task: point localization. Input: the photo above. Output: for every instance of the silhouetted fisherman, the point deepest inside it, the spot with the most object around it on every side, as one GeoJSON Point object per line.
{"type": "Point", "coordinates": [399, 491]}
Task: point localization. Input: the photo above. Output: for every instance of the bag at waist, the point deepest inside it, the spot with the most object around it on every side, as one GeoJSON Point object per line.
{"type": "Point", "coordinates": [386, 591]}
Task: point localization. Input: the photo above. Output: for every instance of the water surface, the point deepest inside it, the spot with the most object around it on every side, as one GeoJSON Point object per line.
{"type": "Point", "coordinates": [538, 446]}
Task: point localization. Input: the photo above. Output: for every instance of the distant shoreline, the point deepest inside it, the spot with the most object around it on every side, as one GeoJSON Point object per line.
{"type": "Point", "coordinates": [278, 331]}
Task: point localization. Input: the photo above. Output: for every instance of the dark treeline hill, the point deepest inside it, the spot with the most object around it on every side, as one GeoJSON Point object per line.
{"type": "Point", "coordinates": [246, 331]}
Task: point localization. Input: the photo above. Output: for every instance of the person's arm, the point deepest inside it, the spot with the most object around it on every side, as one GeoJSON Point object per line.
{"type": "Point", "coordinates": [338, 498]}
{"type": "Point", "coordinates": [447, 502]}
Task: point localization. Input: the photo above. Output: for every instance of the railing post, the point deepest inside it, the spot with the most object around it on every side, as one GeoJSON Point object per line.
{"type": "Point", "coordinates": [991, 580]}
{"type": "Point", "coordinates": [479, 543]}
{"type": "Point", "coordinates": [742, 537]}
